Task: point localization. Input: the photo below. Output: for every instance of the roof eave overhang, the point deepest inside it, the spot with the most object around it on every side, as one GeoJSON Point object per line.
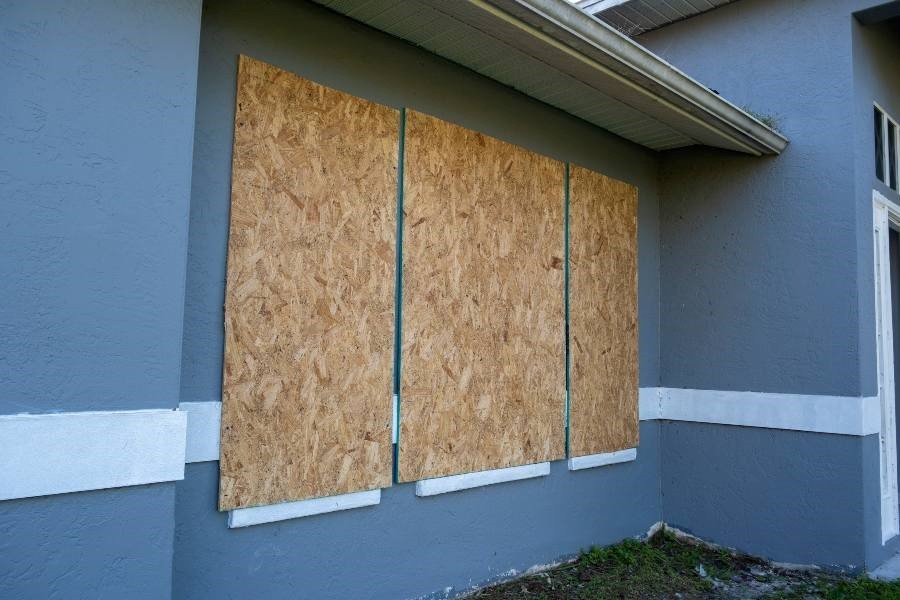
{"type": "Point", "coordinates": [568, 25]}
{"type": "Point", "coordinates": [651, 102]}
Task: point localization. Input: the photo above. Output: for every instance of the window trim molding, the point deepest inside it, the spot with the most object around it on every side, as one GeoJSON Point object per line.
{"type": "Point", "coordinates": [885, 150]}
{"type": "Point", "coordinates": [884, 214]}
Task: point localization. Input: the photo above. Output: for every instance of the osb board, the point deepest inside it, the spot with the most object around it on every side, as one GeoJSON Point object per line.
{"type": "Point", "coordinates": [483, 351]}
{"type": "Point", "coordinates": [309, 299]}
{"type": "Point", "coordinates": [603, 342]}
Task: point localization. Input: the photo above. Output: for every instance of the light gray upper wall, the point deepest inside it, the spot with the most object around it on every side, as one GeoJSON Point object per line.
{"type": "Point", "coordinates": [759, 260]}
{"type": "Point", "coordinates": [876, 78]}
{"type": "Point", "coordinates": [97, 118]}
{"type": "Point", "coordinates": [341, 53]}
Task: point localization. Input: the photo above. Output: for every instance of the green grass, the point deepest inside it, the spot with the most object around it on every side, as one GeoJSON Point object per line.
{"type": "Point", "coordinates": [667, 567]}
{"type": "Point", "coordinates": [864, 589]}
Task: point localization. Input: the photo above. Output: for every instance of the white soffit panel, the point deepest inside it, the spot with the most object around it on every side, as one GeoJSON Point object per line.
{"type": "Point", "coordinates": [634, 17]}
{"type": "Point", "coordinates": [556, 53]}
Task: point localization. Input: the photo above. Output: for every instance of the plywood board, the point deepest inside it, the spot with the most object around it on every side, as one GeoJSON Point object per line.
{"type": "Point", "coordinates": [483, 350]}
{"type": "Point", "coordinates": [603, 342]}
{"type": "Point", "coordinates": [309, 299]}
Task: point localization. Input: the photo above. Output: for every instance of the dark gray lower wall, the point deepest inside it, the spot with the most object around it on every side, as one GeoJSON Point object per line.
{"type": "Point", "coordinates": [409, 547]}
{"type": "Point", "coordinates": [788, 495]}
{"type": "Point", "coordinates": [102, 544]}
{"type": "Point", "coordinates": [876, 551]}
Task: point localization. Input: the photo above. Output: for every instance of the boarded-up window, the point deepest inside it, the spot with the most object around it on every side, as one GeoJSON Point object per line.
{"type": "Point", "coordinates": [603, 334]}
{"type": "Point", "coordinates": [483, 348]}
{"type": "Point", "coordinates": [309, 301]}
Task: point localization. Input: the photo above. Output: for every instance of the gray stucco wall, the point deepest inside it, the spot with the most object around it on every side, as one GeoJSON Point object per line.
{"type": "Point", "coordinates": [875, 79]}
{"type": "Point", "coordinates": [758, 254]}
{"type": "Point", "coordinates": [96, 113]}
{"type": "Point", "coordinates": [791, 496]}
{"type": "Point", "coordinates": [766, 267]}
{"type": "Point", "coordinates": [102, 544]}
{"type": "Point", "coordinates": [406, 546]}
{"type": "Point", "coordinates": [409, 547]}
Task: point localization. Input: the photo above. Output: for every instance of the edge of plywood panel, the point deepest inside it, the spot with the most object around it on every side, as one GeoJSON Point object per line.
{"type": "Point", "coordinates": [603, 326]}
{"type": "Point", "coordinates": [309, 292]}
{"type": "Point", "coordinates": [458, 294]}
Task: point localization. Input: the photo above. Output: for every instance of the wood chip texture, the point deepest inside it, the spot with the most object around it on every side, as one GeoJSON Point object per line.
{"type": "Point", "coordinates": [603, 343]}
{"type": "Point", "coordinates": [310, 287]}
{"type": "Point", "coordinates": [483, 350]}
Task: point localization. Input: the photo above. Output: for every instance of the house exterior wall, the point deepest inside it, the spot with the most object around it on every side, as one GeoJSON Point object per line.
{"type": "Point", "coordinates": [96, 114]}
{"type": "Point", "coordinates": [406, 546]}
{"type": "Point", "coordinates": [765, 263]}
{"type": "Point", "coordinates": [876, 49]}
{"type": "Point", "coordinates": [99, 544]}
{"type": "Point", "coordinates": [805, 509]}
{"type": "Point", "coordinates": [766, 267]}
{"type": "Point", "coordinates": [410, 547]}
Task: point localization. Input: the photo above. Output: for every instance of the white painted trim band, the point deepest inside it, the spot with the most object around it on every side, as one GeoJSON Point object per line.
{"type": "Point", "coordinates": [78, 451]}
{"type": "Point", "coordinates": [257, 515]}
{"type": "Point", "coordinates": [847, 415]}
{"type": "Point", "coordinates": [204, 421]}
{"type": "Point", "coordinates": [455, 483]}
{"type": "Point", "coordinates": [601, 460]}
{"type": "Point", "coordinates": [650, 403]}
{"type": "Point", "coordinates": [47, 454]}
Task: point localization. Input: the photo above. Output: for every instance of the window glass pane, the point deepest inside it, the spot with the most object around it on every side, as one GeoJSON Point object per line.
{"type": "Point", "coordinates": [892, 155]}
{"type": "Point", "coordinates": [879, 145]}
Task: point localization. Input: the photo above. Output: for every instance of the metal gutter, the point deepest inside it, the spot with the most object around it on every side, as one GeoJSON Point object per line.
{"type": "Point", "coordinates": [560, 55]}
{"type": "Point", "coordinates": [557, 21]}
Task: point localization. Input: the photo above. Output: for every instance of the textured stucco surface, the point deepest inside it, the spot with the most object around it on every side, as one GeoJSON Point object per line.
{"type": "Point", "coordinates": [767, 275]}
{"type": "Point", "coordinates": [758, 255]}
{"type": "Point", "coordinates": [103, 544]}
{"type": "Point", "coordinates": [409, 547]}
{"type": "Point", "coordinates": [787, 495]}
{"type": "Point", "coordinates": [96, 131]}
{"type": "Point", "coordinates": [875, 79]}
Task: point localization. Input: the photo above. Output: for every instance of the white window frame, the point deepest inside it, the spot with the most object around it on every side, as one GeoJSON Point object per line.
{"type": "Point", "coordinates": [885, 150]}
{"type": "Point", "coordinates": [885, 213]}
